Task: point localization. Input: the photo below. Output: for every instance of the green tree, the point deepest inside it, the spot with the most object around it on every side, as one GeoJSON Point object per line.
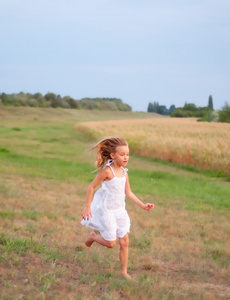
{"type": "Point", "coordinates": [150, 107]}
{"type": "Point", "coordinates": [40, 100]}
{"type": "Point", "coordinates": [4, 98]}
{"type": "Point", "coordinates": [155, 104]}
{"type": "Point", "coordinates": [72, 103]}
{"type": "Point", "coordinates": [178, 113]}
{"type": "Point", "coordinates": [210, 103]}
{"type": "Point", "coordinates": [224, 114]}
{"type": "Point", "coordinates": [162, 110]}
{"type": "Point", "coordinates": [50, 97]}
{"type": "Point", "coordinates": [190, 106]}
{"type": "Point", "coordinates": [37, 96]}
{"type": "Point", "coordinates": [172, 109]}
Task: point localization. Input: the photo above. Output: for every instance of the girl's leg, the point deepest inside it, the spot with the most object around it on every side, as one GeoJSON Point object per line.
{"type": "Point", "coordinates": [124, 254]}
{"type": "Point", "coordinates": [98, 239]}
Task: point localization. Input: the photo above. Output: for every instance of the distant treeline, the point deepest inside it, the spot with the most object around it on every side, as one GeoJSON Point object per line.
{"type": "Point", "coordinates": [53, 100]}
{"type": "Point", "coordinates": [161, 109]}
{"type": "Point", "coordinates": [189, 110]}
{"type": "Point", "coordinates": [205, 113]}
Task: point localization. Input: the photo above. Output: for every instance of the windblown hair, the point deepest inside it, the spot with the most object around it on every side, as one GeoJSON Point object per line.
{"type": "Point", "coordinates": [105, 147]}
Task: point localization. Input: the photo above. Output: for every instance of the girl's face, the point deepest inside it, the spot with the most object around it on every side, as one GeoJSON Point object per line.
{"type": "Point", "coordinates": [121, 156]}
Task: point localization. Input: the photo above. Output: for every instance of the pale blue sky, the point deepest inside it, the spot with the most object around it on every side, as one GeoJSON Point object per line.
{"type": "Point", "coordinates": [140, 51]}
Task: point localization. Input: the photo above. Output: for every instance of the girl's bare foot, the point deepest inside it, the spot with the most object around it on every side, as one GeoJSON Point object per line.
{"type": "Point", "coordinates": [127, 276]}
{"type": "Point", "coordinates": [89, 241]}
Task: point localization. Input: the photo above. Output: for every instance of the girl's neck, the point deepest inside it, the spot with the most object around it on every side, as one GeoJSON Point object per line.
{"type": "Point", "coordinates": [117, 169]}
{"type": "Point", "coordinates": [116, 166]}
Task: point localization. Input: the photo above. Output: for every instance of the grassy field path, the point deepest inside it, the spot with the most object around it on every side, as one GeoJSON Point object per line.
{"type": "Point", "coordinates": [180, 250]}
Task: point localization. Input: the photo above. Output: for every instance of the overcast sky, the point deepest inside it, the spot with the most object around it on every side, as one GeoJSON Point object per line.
{"type": "Point", "coordinates": [143, 51]}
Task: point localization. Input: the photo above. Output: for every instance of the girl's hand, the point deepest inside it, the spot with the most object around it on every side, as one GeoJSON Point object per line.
{"type": "Point", "coordinates": [148, 206]}
{"type": "Point", "coordinates": [86, 213]}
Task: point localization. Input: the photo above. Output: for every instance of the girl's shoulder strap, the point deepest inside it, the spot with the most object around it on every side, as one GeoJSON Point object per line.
{"type": "Point", "coordinates": [110, 161]}
{"type": "Point", "coordinates": [125, 170]}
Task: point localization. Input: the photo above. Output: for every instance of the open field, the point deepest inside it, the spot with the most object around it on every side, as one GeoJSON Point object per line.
{"type": "Point", "coordinates": [185, 141]}
{"type": "Point", "coordinates": [180, 250]}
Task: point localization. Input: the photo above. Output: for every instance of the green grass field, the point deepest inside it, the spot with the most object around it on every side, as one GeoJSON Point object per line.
{"type": "Point", "coordinates": [180, 250]}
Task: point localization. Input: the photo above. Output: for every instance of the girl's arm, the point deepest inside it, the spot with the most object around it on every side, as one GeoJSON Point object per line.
{"type": "Point", "coordinates": [102, 175]}
{"type": "Point", "coordinates": [133, 197]}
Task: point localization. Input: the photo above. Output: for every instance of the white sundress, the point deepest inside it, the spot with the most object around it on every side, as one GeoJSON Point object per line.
{"type": "Point", "coordinates": [110, 217]}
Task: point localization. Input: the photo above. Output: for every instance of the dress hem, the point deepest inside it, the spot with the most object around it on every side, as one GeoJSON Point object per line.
{"type": "Point", "coordinates": [102, 233]}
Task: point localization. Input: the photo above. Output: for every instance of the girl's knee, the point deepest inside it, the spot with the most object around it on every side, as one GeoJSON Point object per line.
{"type": "Point", "coordinates": [111, 244]}
{"type": "Point", "coordinates": [124, 242]}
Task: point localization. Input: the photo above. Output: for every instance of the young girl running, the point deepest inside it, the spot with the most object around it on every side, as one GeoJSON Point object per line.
{"type": "Point", "coordinates": [107, 214]}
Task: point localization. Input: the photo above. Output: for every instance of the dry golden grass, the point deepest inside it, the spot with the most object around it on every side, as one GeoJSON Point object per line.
{"type": "Point", "coordinates": [172, 250]}
{"type": "Point", "coordinates": [185, 141]}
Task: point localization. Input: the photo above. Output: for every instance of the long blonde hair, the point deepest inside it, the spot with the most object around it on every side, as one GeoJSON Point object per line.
{"type": "Point", "coordinates": [105, 147]}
